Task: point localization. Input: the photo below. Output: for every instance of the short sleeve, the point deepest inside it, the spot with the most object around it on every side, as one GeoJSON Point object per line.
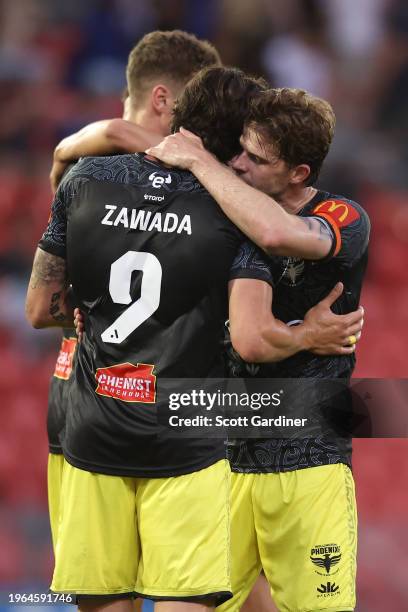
{"type": "Point", "coordinates": [54, 238]}
{"type": "Point", "coordinates": [251, 262]}
{"type": "Point", "coordinates": [350, 225]}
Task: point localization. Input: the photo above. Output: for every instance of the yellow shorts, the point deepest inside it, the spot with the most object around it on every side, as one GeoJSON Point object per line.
{"type": "Point", "coordinates": [301, 528]}
{"type": "Point", "coordinates": [163, 538]}
{"type": "Point", "coordinates": [54, 479]}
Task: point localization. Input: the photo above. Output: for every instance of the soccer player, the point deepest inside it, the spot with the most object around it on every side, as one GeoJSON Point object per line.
{"type": "Point", "coordinates": [148, 316]}
{"type": "Point", "coordinates": [156, 76]}
{"type": "Point", "coordinates": [293, 508]}
{"type": "Point", "coordinates": [159, 67]}
{"type": "Point", "coordinates": [143, 126]}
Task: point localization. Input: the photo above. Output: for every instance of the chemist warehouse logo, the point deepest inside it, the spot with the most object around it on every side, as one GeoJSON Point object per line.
{"type": "Point", "coordinates": [63, 367]}
{"type": "Point", "coordinates": [127, 382]}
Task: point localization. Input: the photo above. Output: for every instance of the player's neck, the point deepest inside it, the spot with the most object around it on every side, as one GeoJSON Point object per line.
{"type": "Point", "coordinates": [293, 200]}
{"type": "Point", "coordinates": [148, 121]}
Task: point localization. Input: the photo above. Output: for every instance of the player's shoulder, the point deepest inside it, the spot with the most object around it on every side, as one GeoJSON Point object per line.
{"type": "Point", "coordinates": [114, 168]}
{"type": "Point", "coordinates": [134, 169]}
{"type": "Point", "coordinates": [340, 209]}
{"type": "Point", "coordinates": [249, 255]}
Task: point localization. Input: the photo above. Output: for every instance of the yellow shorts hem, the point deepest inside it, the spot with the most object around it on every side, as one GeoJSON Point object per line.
{"type": "Point", "coordinates": [336, 609]}
{"type": "Point", "coordinates": [183, 593]}
{"type": "Point", "coordinates": [92, 591]}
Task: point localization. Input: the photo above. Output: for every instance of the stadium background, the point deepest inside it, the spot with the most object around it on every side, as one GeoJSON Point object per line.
{"type": "Point", "coordinates": [61, 66]}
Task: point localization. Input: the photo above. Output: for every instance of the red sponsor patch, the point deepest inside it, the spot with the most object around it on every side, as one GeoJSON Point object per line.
{"type": "Point", "coordinates": [127, 382]}
{"type": "Point", "coordinates": [340, 212]}
{"type": "Point", "coordinates": [63, 367]}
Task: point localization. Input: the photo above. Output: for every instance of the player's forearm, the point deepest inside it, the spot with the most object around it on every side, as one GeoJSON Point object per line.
{"type": "Point", "coordinates": [55, 310]}
{"type": "Point", "coordinates": [49, 298]}
{"type": "Point", "coordinates": [269, 343]}
{"type": "Point", "coordinates": [104, 138]}
{"type": "Point", "coordinates": [257, 215]}
{"type": "Point", "coordinates": [94, 139]}
{"type": "Point", "coordinates": [128, 137]}
{"type": "Point", "coordinates": [280, 342]}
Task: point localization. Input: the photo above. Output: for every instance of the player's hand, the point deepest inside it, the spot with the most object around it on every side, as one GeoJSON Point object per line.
{"type": "Point", "coordinates": [79, 324]}
{"type": "Point", "coordinates": [181, 149]}
{"type": "Point", "coordinates": [57, 172]}
{"type": "Point", "coordinates": [332, 334]}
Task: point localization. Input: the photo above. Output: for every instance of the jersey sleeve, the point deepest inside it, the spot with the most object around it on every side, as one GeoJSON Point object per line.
{"type": "Point", "coordinates": [350, 225]}
{"type": "Point", "coordinates": [251, 262]}
{"type": "Point", "coordinates": [54, 238]}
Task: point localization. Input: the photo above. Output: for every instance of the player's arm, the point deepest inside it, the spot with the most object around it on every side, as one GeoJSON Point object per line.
{"type": "Point", "coordinates": [263, 338]}
{"type": "Point", "coordinates": [260, 217]}
{"type": "Point", "coordinates": [48, 301]}
{"type": "Point", "coordinates": [106, 137]}
{"type": "Point", "coordinates": [257, 215]}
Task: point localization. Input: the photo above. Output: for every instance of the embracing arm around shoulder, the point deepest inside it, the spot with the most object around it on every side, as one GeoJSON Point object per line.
{"type": "Point", "coordinates": [48, 296]}
{"type": "Point", "coordinates": [256, 214]}
{"type": "Point", "coordinates": [107, 137]}
{"type": "Point", "coordinates": [260, 217]}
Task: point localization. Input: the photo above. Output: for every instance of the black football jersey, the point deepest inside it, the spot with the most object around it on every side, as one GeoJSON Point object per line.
{"type": "Point", "coordinates": [148, 254]}
{"type": "Point", "coordinates": [297, 286]}
{"type": "Point", "coordinates": [57, 394]}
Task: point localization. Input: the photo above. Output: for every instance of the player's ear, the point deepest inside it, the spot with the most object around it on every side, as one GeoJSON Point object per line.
{"type": "Point", "coordinates": [162, 99]}
{"type": "Point", "coordinates": [300, 174]}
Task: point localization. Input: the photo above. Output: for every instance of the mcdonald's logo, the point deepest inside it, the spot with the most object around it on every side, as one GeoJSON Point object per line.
{"type": "Point", "coordinates": [340, 212]}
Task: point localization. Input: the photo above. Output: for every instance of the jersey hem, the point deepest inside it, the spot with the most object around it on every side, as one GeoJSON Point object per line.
{"type": "Point", "coordinates": [55, 450]}
{"type": "Point", "coordinates": [278, 470]}
{"type": "Point", "coordinates": [111, 470]}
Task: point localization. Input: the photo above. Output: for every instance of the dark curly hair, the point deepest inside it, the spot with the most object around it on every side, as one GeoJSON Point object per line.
{"type": "Point", "coordinates": [214, 105]}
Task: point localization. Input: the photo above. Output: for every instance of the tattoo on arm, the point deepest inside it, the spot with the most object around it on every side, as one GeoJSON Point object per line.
{"type": "Point", "coordinates": [317, 227]}
{"type": "Point", "coordinates": [47, 269]}
{"type": "Point", "coordinates": [325, 232]}
{"type": "Point", "coordinates": [49, 285]}
{"type": "Point", "coordinates": [56, 311]}
{"type": "Point", "coordinates": [307, 221]}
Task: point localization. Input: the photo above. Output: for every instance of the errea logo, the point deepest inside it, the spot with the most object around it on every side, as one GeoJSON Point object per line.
{"type": "Point", "coordinates": [328, 589]}
{"type": "Point", "coordinates": [158, 181]}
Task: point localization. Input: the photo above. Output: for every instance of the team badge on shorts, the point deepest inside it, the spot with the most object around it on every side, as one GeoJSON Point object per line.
{"type": "Point", "coordinates": [326, 557]}
{"type": "Point", "coordinates": [127, 382]}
